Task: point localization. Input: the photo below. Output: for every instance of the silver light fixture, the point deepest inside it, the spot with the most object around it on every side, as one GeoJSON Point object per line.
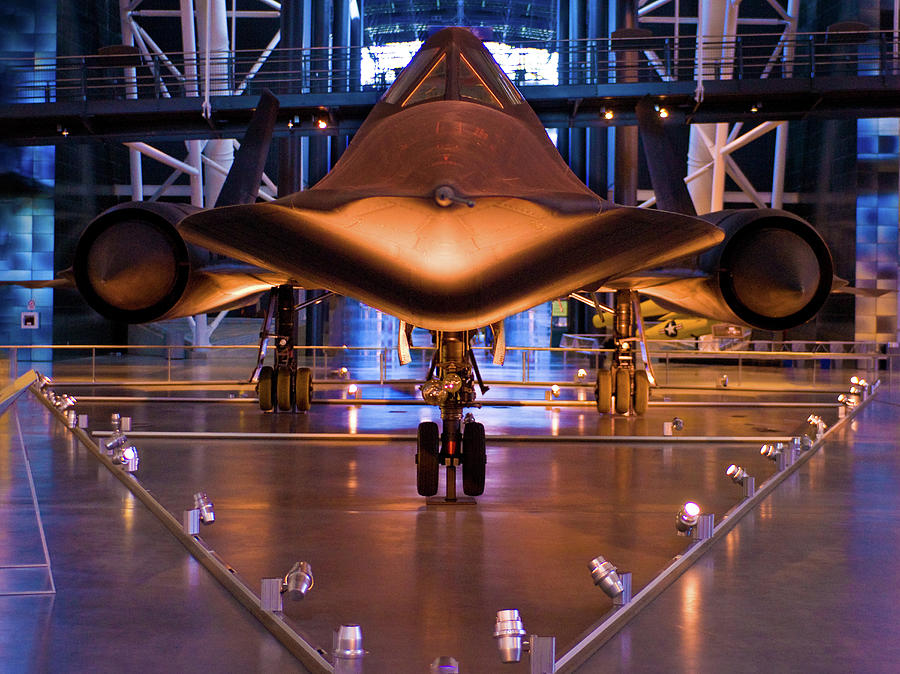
{"type": "Point", "coordinates": [127, 457]}
{"type": "Point", "coordinates": [348, 649]}
{"type": "Point", "coordinates": [687, 517]}
{"type": "Point", "coordinates": [444, 664]}
{"type": "Point", "coordinates": [298, 581]}
{"type": "Point", "coordinates": [678, 424]}
{"type": "Point", "coordinates": [205, 506]}
{"type": "Point", "coordinates": [771, 451]}
{"type": "Point", "coordinates": [509, 631]}
{"type": "Point", "coordinates": [737, 474]}
{"type": "Point", "coordinates": [606, 577]}
{"type": "Point", "coordinates": [115, 442]}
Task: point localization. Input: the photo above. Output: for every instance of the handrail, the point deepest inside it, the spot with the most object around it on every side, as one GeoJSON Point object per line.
{"type": "Point", "coordinates": [585, 61]}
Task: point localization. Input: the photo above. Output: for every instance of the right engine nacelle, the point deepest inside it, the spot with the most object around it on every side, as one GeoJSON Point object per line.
{"type": "Point", "coordinates": [131, 264]}
{"type": "Point", "coordinates": [773, 270]}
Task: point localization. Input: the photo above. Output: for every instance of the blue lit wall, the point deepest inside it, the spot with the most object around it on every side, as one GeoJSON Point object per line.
{"type": "Point", "coordinates": [27, 30]}
{"type": "Point", "coordinates": [877, 257]}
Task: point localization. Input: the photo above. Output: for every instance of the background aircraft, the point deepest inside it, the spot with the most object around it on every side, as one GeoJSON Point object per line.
{"type": "Point", "coordinates": [451, 209]}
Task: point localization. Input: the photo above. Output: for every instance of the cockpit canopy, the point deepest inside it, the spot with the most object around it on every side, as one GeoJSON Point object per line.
{"type": "Point", "coordinates": [453, 72]}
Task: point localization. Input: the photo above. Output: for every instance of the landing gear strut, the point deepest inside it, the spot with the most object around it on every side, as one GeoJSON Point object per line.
{"type": "Point", "coordinates": [450, 385]}
{"type": "Point", "coordinates": [625, 385]}
{"type": "Point", "coordinates": [284, 387]}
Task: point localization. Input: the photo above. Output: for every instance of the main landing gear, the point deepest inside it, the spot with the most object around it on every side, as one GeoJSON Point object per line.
{"type": "Point", "coordinates": [625, 384]}
{"type": "Point", "coordinates": [284, 387]}
{"type": "Point", "coordinates": [450, 385]}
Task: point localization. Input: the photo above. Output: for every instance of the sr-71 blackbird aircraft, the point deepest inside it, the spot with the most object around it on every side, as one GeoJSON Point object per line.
{"type": "Point", "coordinates": [451, 209]}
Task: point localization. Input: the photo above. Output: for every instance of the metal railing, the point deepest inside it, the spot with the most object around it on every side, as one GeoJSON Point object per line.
{"type": "Point", "coordinates": [535, 366]}
{"type": "Point", "coordinates": [580, 62]}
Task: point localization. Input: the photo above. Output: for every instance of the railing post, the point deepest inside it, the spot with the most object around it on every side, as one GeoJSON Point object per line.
{"type": "Point", "coordinates": [811, 40]}
{"type": "Point", "coordinates": [93, 364]}
{"type": "Point", "coordinates": [739, 48]}
{"type": "Point", "coordinates": [83, 80]}
{"type": "Point", "coordinates": [668, 47]}
{"type": "Point", "coordinates": [156, 76]}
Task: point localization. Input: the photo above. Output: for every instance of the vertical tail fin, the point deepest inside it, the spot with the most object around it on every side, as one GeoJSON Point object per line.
{"type": "Point", "coordinates": [666, 171]}
{"type": "Point", "coordinates": [242, 182]}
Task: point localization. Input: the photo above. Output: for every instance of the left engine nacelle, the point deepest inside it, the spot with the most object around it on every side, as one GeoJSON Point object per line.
{"type": "Point", "coordinates": [131, 264]}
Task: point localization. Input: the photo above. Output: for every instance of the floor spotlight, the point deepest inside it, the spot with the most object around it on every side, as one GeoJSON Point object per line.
{"type": "Point", "coordinates": [508, 631]}
{"type": "Point", "coordinates": [678, 424]}
{"type": "Point", "coordinates": [64, 402]}
{"type": "Point", "coordinates": [772, 451]}
{"type": "Point", "coordinates": [344, 372]}
{"type": "Point", "coordinates": [444, 665]}
{"type": "Point", "coordinates": [348, 649]}
{"type": "Point", "coordinates": [205, 506]}
{"type": "Point", "coordinates": [127, 457]}
{"type": "Point", "coordinates": [115, 442]}
{"type": "Point", "coordinates": [353, 391]}
{"type": "Point", "coordinates": [606, 577]}
{"type": "Point", "coordinates": [859, 381]}
{"type": "Point", "coordinates": [298, 581]}
{"type": "Point", "coordinates": [554, 390]}
{"type": "Point", "coordinates": [687, 517]}
{"type": "Point", "coordinates": [581, 375]}
{"type": "Point", "coordinates": [737, 474]}
{"type": "Point", "coordinates": [848, 399]}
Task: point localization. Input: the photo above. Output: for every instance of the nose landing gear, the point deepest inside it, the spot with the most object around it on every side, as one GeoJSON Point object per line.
{"type": "Point", "coordinates": [450, 385]}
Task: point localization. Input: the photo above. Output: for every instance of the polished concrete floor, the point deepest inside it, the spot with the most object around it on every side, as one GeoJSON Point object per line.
{"type": "Point", "coordinates": [425, 581]}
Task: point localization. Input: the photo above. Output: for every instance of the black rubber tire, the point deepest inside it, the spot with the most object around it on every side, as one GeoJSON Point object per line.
{"type": "Point", "coordinates": [283, 389]}
{"type": "Point", "coordinates": [603, 390]}
{"type": "Point", "coordinates": [303, 390]}
{"type": "Point", "coordinates": [623, 390]}
{"type": "Point", "coordinates": [474, 459]}
{"type": "Point", "coordinates": [428, 442]}
{"type": "Point", "coordinates": [265, 389]}
{"type": "Point", "coordinates": [641, 392]}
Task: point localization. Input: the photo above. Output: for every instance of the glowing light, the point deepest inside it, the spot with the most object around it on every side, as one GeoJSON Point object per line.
{"type": "Point", "coordinates": [353, 389]}
{"type": "Point", "coordinates": [129, 453]}
{"type": "Point", "coordinates": [686, 518]}
{"type": "Point", "coordinates": [582, 373]}
{"type": "Point", "coordinates": [555, 390]}
{"type": "Point", "coordinates": [608, 114]}
{"type": "Point", "coordinates": [322, 124]}
{"type": "Point", "coordinates": [663, 113]}
{"type": "Point", "coordinates": [736, 473]}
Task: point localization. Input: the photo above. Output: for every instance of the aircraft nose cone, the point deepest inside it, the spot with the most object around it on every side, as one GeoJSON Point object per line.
{"type": "Point", "coordinates": [131, 265]}
{"type": "Point", "coordinates": [776, 273]}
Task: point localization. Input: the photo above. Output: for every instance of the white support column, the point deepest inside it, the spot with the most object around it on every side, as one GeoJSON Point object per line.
{"type": "Point", "coordinates": [213, 29]}
{"type": "Point", "coordinates": [711, 23]}
{"type": "Point", "coordinates": [781, 135]}
{"type": "Point", "coordinates": [717, 189]}
{"type": "Point", "coordinates": [189, 47]}
{"type": "Point", "coordinates": [134, 157]}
